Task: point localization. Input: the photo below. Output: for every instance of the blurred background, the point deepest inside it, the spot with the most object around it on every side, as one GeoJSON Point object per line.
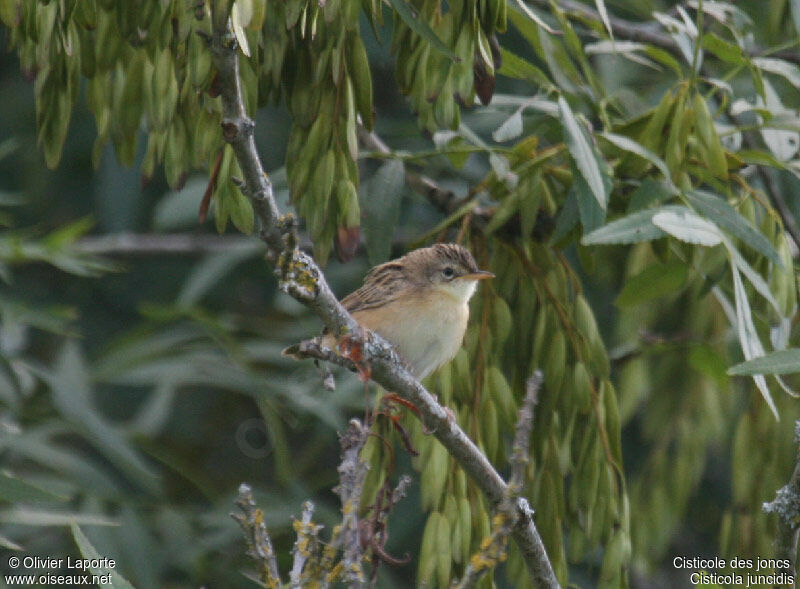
{"type": "Point", "coordinates": [142, 378]}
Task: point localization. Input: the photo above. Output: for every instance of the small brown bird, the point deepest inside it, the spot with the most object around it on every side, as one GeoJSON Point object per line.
{"type": "Point", "coordinates": [419, 303]}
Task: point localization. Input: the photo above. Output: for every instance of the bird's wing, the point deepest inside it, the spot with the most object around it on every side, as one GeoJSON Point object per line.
{"type": "Point", "coordinates": [383, 284]}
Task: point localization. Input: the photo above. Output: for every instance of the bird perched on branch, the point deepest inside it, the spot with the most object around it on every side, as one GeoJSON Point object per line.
{"type": "Point", "coordinates": [419, 303]}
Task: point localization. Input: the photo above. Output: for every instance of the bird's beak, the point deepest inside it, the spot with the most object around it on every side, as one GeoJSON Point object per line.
{"type": "Point", "coordinates": [479, 275]}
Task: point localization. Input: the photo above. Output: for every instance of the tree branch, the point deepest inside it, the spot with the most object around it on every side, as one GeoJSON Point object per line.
{"type": "Point", "coordinates": [787, 505]}
{"type": "Point", "coordinates": [352, 472]}
{"type": "Point", "coordinates": [300, 276]}
{"type": "Point", "coordinates": [155, 244]}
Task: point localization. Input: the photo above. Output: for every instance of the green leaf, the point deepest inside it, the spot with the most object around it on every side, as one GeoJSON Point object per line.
{"type": "Point", "coordinates": [178, 209]}
{"type": "Point", "coordinates": [748, 336]}
{"type": "Point", "coordinates": [380, 201]}
{"type": "Point", "coordinates": [728, 218]}
{"type": "Point", "coordinates": [664, 58]}
{"type": "Point", "coordinates": [706, 360]}
{"type": "Point", "coordinates": [795, 8]}
{"type": "Point", "coordinates": [17, 490]}
{"type": "Point", "coordinates": [71, 389]}
{"type": "Point", "coordinates": [8, 146]}
{"type": "Point", "coordinates": [9, 544]}
{"type": "Point", "coordinates": [582, 153]}
{"type": "Point", "coordinates": [210, 270]}
{"type": "Point", "coordinates": [689, 227]}
{"type": "Point", "coordinates": [567, 218]}
{"type": "Point", "coordinates": [48, 518]}
{"type": "Point", "coordinates": [653, 282]}
{"type": "Point", "coordinates": [726, 51]}
{"type": "Point", "coordinates": [592, 215]}
{"type": "Point", "coordinates": [780, 362]}
{"type": "Point", "coordinates": [787, 70]}
{"type": "Point", "coordinates": [649, 193]}
{"type": "Point", "coordinates": [510, 129]}
{"type": "Point", "coordinates": [410, 16]}
{"type": "Point", "coordinates": [37, 446]}
{"type": "Point", "coordinates": [628, 144]}
{"type": "Point", "coordinates": [633, 228]}
{"type": "Point", "coordinates": [12, 199]}
{"type": "Point", "coordinates": [116, 581]}
{"type": "Point", "coordinates": [758, 282]}
{"type": "Point", "coordinates": [241, 211]}
{"type": "Point", "coordinates": [505, 210]}
{"type": "Point", "coordinates": [237, 19]}
{"type": "Point", "coordinates": [532, 16]}
{"type": "Point", "coordinates": [601, 8]}
{"type": "Point", "coordinates": [515, 66]}
{"type": "Point", "coordinates": [69, 233]}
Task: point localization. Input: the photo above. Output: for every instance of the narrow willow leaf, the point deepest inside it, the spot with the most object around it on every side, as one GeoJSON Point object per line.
{"type": "Point", "coordinates": [727, 52]}
{"type": "Point", "coordinates": [601, 8]}
{"type": "Point", "coordinates": [567, 218]}
{"type": "Point", "coordinates": [628, 144]}
{"type": "Point", "coordinates": [633, 228]}
{"type": "Point", "coordinates": [795, 7]}
{"type": "Point", "coordinates": [754, 277]}
{"type": "Point", "coordinates": [729, 219]}
{"type": "Point", "coordinates": [650, 193]}
{"type": "Point", "coordinates": [787, 70]}
{"type": "Point", "coordinates": [71, 389]}
{"type": "Point", "coordinates": [211, 270]}
{"type": "Point", "coordinates": [592, 215]}
{"type": "Point", "coordinates": [381, 204]}
{"type": "Point", "coordinates": [654, 281]}
{"type": "Point", "coordinates": [17, 490]}
{"type": "Point", "coordinates": [237, 20]}
{"type": "Point", "coordinates": [510, 129]}
{"type": "Point", "coordinates": [515, 66]}
{"type": "Point", "coordinates": [411, 17]}
{"type": "Point", "coordinates": [45, 518]}
{"type": "Point", "coordinates": [89, 552]}
{"type": "Point", "coordinates": [9, 544]}
{"type": "Point", "coordinates": [783, 144]}
{"type": "Point", "coordinates": [582, 153]}
{"type": "Point", "coordinates": [689, 227]}
{"type": "Point", "coordinates": [748, 337]}
{"type": "Point", "coordinates": [707, 360]}
{"type": "Point", "coordinates": [780, 362]}
{"type": "Point", "coordinates": [535, 17]}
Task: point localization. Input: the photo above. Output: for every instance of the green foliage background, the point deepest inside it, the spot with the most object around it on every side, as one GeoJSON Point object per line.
{"type": "Point", "coordinates": [138, 391]}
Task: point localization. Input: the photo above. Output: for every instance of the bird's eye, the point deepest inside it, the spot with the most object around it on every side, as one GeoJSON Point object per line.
{"type": "Point", "coordinates": [448, 272]}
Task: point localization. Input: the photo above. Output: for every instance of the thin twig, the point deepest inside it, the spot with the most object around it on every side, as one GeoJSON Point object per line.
{"type": "Point", "coordinates": [352, 472]}
{"type": "Point", "coordinates": [522, 436]}
{"type": "Point", "coordinates": [258, 541]}
{"type": "Point", "coordinates": [512, 508]}
{"type": "Point", "coordinates": [305, 546]}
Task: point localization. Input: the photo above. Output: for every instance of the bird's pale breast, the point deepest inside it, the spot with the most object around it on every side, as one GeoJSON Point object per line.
{"type": "Point", "coordinates": [427, 332]}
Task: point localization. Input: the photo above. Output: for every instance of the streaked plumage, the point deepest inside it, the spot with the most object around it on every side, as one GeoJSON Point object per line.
{"type": "Point", "coordinates": [419, 303]}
